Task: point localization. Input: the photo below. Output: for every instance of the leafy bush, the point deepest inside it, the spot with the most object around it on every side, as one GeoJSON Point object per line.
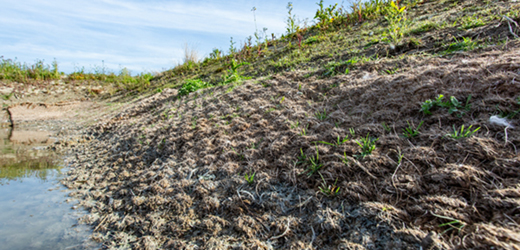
{"type": "Point", "coordinates": [192, 85]}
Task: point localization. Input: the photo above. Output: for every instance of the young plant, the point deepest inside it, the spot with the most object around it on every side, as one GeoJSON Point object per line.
{"type": "Point", "coordinates": [232, 74]}
{"type": "Point", "coordinates": [397, 22]}
{"type": "Point", "coordinates": [194, 122]}
{"type": "Point", "coordinates": [367, 145]}
{"type": "Point", "coordinates": [339, 141]}
{"type": "Point", "coordinates": [453, 223]}
{"type": "Point", "coordinates": [250, 178]}
{"type": "Point", "coordinates": [292, 25]}
{"type": "Point", "coordinates": [465, 45]}
{"type": "Point", "coordinates": [460, 133]}
{"type": "Point", "coordinates": [321, 115]}
{"type": "Point", "coordinates": [255, 145]}
{"type": "Point", "coordinates": [386, 127]}
{"type": "Point", "coordinates": [304, 131]}
{"type": "Point", "coordinates": [453, 105]}
{"type": "Point", "coordinates": [345, 159]}
{"type": "Point", "coordinates": [329, 190]}
{"type": "Point", "coordinates": [313, 163]}
{"type": "Point", "coordinates": [410, 131]}
{"type": "Point", "coordinates": [295, 124]}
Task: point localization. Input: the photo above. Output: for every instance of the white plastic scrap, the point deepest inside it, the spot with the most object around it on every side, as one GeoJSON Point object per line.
{"type": "Point", "coordinates": [500, 121]}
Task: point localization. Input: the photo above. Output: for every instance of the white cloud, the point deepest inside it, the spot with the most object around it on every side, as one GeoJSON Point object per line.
{"type": "Point", "coordinates": [140, 35]}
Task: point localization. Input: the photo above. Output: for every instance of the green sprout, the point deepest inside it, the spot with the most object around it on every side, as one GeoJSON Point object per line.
{"type": "Point", "coordinates": [250, 178]}
{"type": "Point", "coordinates": [329, 190]}
{"type": "Point", "coordinates": [410, 131]}
{"type": "Point", "coordinates": [460, 133]}
{"type": "Point", "coordinates": [367, 144]}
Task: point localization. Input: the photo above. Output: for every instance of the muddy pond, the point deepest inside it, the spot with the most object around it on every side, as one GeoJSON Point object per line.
{"type": "Point", "coordinates": [35, 210]}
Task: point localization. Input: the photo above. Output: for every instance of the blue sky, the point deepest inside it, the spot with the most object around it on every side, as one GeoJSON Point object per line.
{"type": "Point", "coordinates": [140, 35]}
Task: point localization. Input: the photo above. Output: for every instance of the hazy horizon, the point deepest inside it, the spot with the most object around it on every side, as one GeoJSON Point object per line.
{"type": "Point", "coordinates": [141, 36]}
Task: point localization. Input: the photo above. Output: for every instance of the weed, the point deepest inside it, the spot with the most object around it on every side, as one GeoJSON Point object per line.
{"type": "Point", "coordinates": [8, 96]}
{"type": "Point", "coordinates": [472, 22]}
{"type": "Point", "coordinates": [410, 131]}
{"type": "Point", "coordinates": [329, 190]}
{"type": "Point", "coordinates": [295, 124]}
{"type": "Point", "coordinates": [313, 163]}
{"type": "Point", "coordinates": [311, 40]}
{"type": "Point", "coordinates": [250, 178]}
{"type": "Point", "coordinates": [397, 22]}
{"type": "Point", "coordinates": [334, 68]}
{"type": "Point", "coordinates": [304, 131]}
{"type": "Point", "coordinates": [292, 25]}
{"type": "Point", "coordinates": [194, 122]}
{"type": "Point", "coordinates": [424, 27]}
{"type": "Point", "coordinates": [367, 144]}
{"type": "Point", "coordinates": [465, 45]}
{"type": "Point", "coordinates": [12, 70]}
{"type": "Point", "coordinates": [270, 110]}
{"type": "Point", "coordinates": [338, 142]}
{"type": "Point", "coordinates": [509, 115]}
{"type": "Point", "coordinates": [232, 74]}
{"type": "Point", "coordinates": [460, 133]}
{"type": "Point", "coordinates": [453, 105]}
{"type": "Point", "coordinates": [192, 85]}
{"type": "Point", "coordinates": [321, 115]}
{"type": "Point", "coordinates": [386, 127]}
{"type": "Point", "coordinates": [190, 55]}
{"type": "Point", "coordinates": [215, 54]}
{"type": "Point", "coordinates": [255, 145]}
{"type": "Point", "coordinates": [352, 132]}
{"type": "Point", "coordinates": [242, 157]}
{"type": "Point", "coordinates": [345, 159]}
{"type": "Point", "coordinates": [453, 223]}
{"type": "Point", "coordinates": [232, 49]}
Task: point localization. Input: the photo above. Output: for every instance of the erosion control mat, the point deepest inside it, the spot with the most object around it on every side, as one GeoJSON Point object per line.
{"type": "Point", "coordinates": [169, 172]}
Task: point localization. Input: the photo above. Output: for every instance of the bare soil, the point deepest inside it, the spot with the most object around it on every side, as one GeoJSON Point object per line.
{"type": "Point", "coordinates": [168, 172]}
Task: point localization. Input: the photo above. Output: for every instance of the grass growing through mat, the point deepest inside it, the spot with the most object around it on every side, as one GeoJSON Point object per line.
{"type": "Point", "coordinates": [250, 178]}
{"type": "Point", "coordinates": [453, 105]}
{"type": "Point", "coordinates": [461, 133]}
{"type": "Point", "coordinates": [312, 162]}
{"type": "Point", "coordinates": [329, 190]}
{"type": "Point", "coordinates": [304, 130]}
{"type": "Point", "coordinates": [321, 115]}
{"type": "Point", "coordinates": [367, 145]}
{"type": "Point", "coordinates": [453, 223]}
{"type": "Point", "coordinates": [410, 131]}
{"type": "Point", "coordinates": [338, 142]}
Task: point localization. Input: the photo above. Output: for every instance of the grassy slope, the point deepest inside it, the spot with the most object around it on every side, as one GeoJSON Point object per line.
{"type": "Point", "coordinates": [432, 28]}
{"type": "Point", "coordinates": [169, 171]}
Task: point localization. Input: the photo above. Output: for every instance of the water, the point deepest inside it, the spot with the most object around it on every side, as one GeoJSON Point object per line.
{"type": "Point", "coordinates": [34, 213]}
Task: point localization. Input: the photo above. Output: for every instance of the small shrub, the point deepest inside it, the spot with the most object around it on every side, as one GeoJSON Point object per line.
{"type": "Point", "coordinates": [192, 85]}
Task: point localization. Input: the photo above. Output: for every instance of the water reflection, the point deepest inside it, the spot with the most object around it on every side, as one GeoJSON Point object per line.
{"type": "Point", "coordinates": [22, 156]}
{"type": "Point", "coordinates": [33, 211]}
